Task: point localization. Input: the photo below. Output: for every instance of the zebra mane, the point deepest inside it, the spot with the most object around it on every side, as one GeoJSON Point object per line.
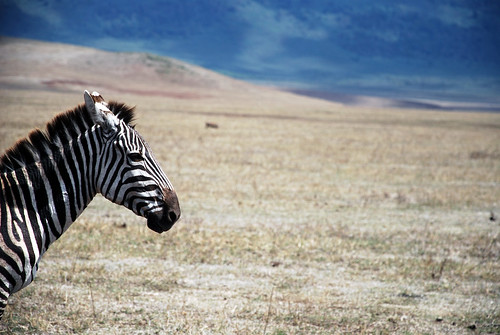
{"type": "Point", "coordinates": [61, 130]}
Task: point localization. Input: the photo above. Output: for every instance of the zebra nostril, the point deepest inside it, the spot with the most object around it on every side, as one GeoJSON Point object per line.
{"type": "Point", "coordinates": [172, 216]}
{"type": "Point", "coordinates": [171, 205]}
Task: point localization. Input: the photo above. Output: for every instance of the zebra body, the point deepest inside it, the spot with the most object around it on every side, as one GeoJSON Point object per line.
{"type": "Point", "coordinates": [49, 178]}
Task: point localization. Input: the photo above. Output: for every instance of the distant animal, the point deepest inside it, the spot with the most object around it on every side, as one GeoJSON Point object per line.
{"type": "Point", "coordinates": [211, 125]}
{"type": "Point", "coordinates": [48, 178]}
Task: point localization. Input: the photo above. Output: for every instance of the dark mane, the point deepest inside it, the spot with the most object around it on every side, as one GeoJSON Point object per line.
{"type": "Point", "coordinates": [61, 130]}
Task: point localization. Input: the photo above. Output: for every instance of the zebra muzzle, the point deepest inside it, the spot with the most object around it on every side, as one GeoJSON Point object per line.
{"type": "Point", "coordinates": [165, 218]}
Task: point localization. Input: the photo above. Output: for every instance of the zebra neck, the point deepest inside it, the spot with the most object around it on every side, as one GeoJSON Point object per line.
{"type": "Point", "coordinates": [70, 179]}
{"type": "Point", "coordinates": [45, 197]}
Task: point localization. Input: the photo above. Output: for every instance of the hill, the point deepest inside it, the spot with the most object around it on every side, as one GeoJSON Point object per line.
{"type": "Point", "coordinates": [29, 64]}
{"type": "Point", "coordinates": [32, 64]}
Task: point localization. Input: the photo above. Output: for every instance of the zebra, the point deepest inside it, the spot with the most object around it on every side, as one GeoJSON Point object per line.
{"type": "Point", "coordinates": [48, 179]}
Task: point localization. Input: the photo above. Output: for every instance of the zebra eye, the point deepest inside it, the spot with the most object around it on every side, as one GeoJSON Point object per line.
{"type": "Point", "coordinates": [135, 157]}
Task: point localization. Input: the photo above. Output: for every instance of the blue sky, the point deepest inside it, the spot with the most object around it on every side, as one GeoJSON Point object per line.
{"type": "Point", "coordinates": [445, 49]}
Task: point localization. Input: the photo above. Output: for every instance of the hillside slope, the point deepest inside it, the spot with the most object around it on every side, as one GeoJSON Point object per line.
{"type": "Point", "coordinates": [29, 64]}
{"type": "Point", "coordinates": [36, 65]}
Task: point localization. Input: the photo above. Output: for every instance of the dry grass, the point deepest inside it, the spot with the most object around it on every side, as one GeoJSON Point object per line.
{"type": "Point", "coordinates": [299, 217]}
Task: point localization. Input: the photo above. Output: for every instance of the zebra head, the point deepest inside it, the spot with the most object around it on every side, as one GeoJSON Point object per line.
{"type": "Point", "coordinates": [126, 171]}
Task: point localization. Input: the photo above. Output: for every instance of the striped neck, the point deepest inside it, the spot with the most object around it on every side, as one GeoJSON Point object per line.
{"type": "Point", "coordinates": [55, 190]}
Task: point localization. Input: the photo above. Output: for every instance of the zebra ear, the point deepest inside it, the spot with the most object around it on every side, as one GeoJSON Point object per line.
{"type": "Point", "coordinates": [99, 111]}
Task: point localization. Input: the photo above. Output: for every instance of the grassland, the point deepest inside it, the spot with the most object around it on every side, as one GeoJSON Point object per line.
{"type": "Point", "coordinates": [299, 217]}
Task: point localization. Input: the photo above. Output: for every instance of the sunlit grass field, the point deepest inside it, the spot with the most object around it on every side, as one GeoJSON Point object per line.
{"type": "Point", "coordinates": [299, 217]}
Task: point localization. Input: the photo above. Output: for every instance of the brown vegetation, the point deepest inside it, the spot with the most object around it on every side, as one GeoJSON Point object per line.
{"type": "Point", "coordinates": [328, 220]}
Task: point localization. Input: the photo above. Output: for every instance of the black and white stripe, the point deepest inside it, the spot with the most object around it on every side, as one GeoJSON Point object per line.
{"type": "Point", "coordinates": [49, 178]}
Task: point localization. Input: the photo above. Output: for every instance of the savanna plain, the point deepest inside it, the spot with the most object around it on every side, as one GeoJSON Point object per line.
{"type": "Point", "coordinates": [299, 217]}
